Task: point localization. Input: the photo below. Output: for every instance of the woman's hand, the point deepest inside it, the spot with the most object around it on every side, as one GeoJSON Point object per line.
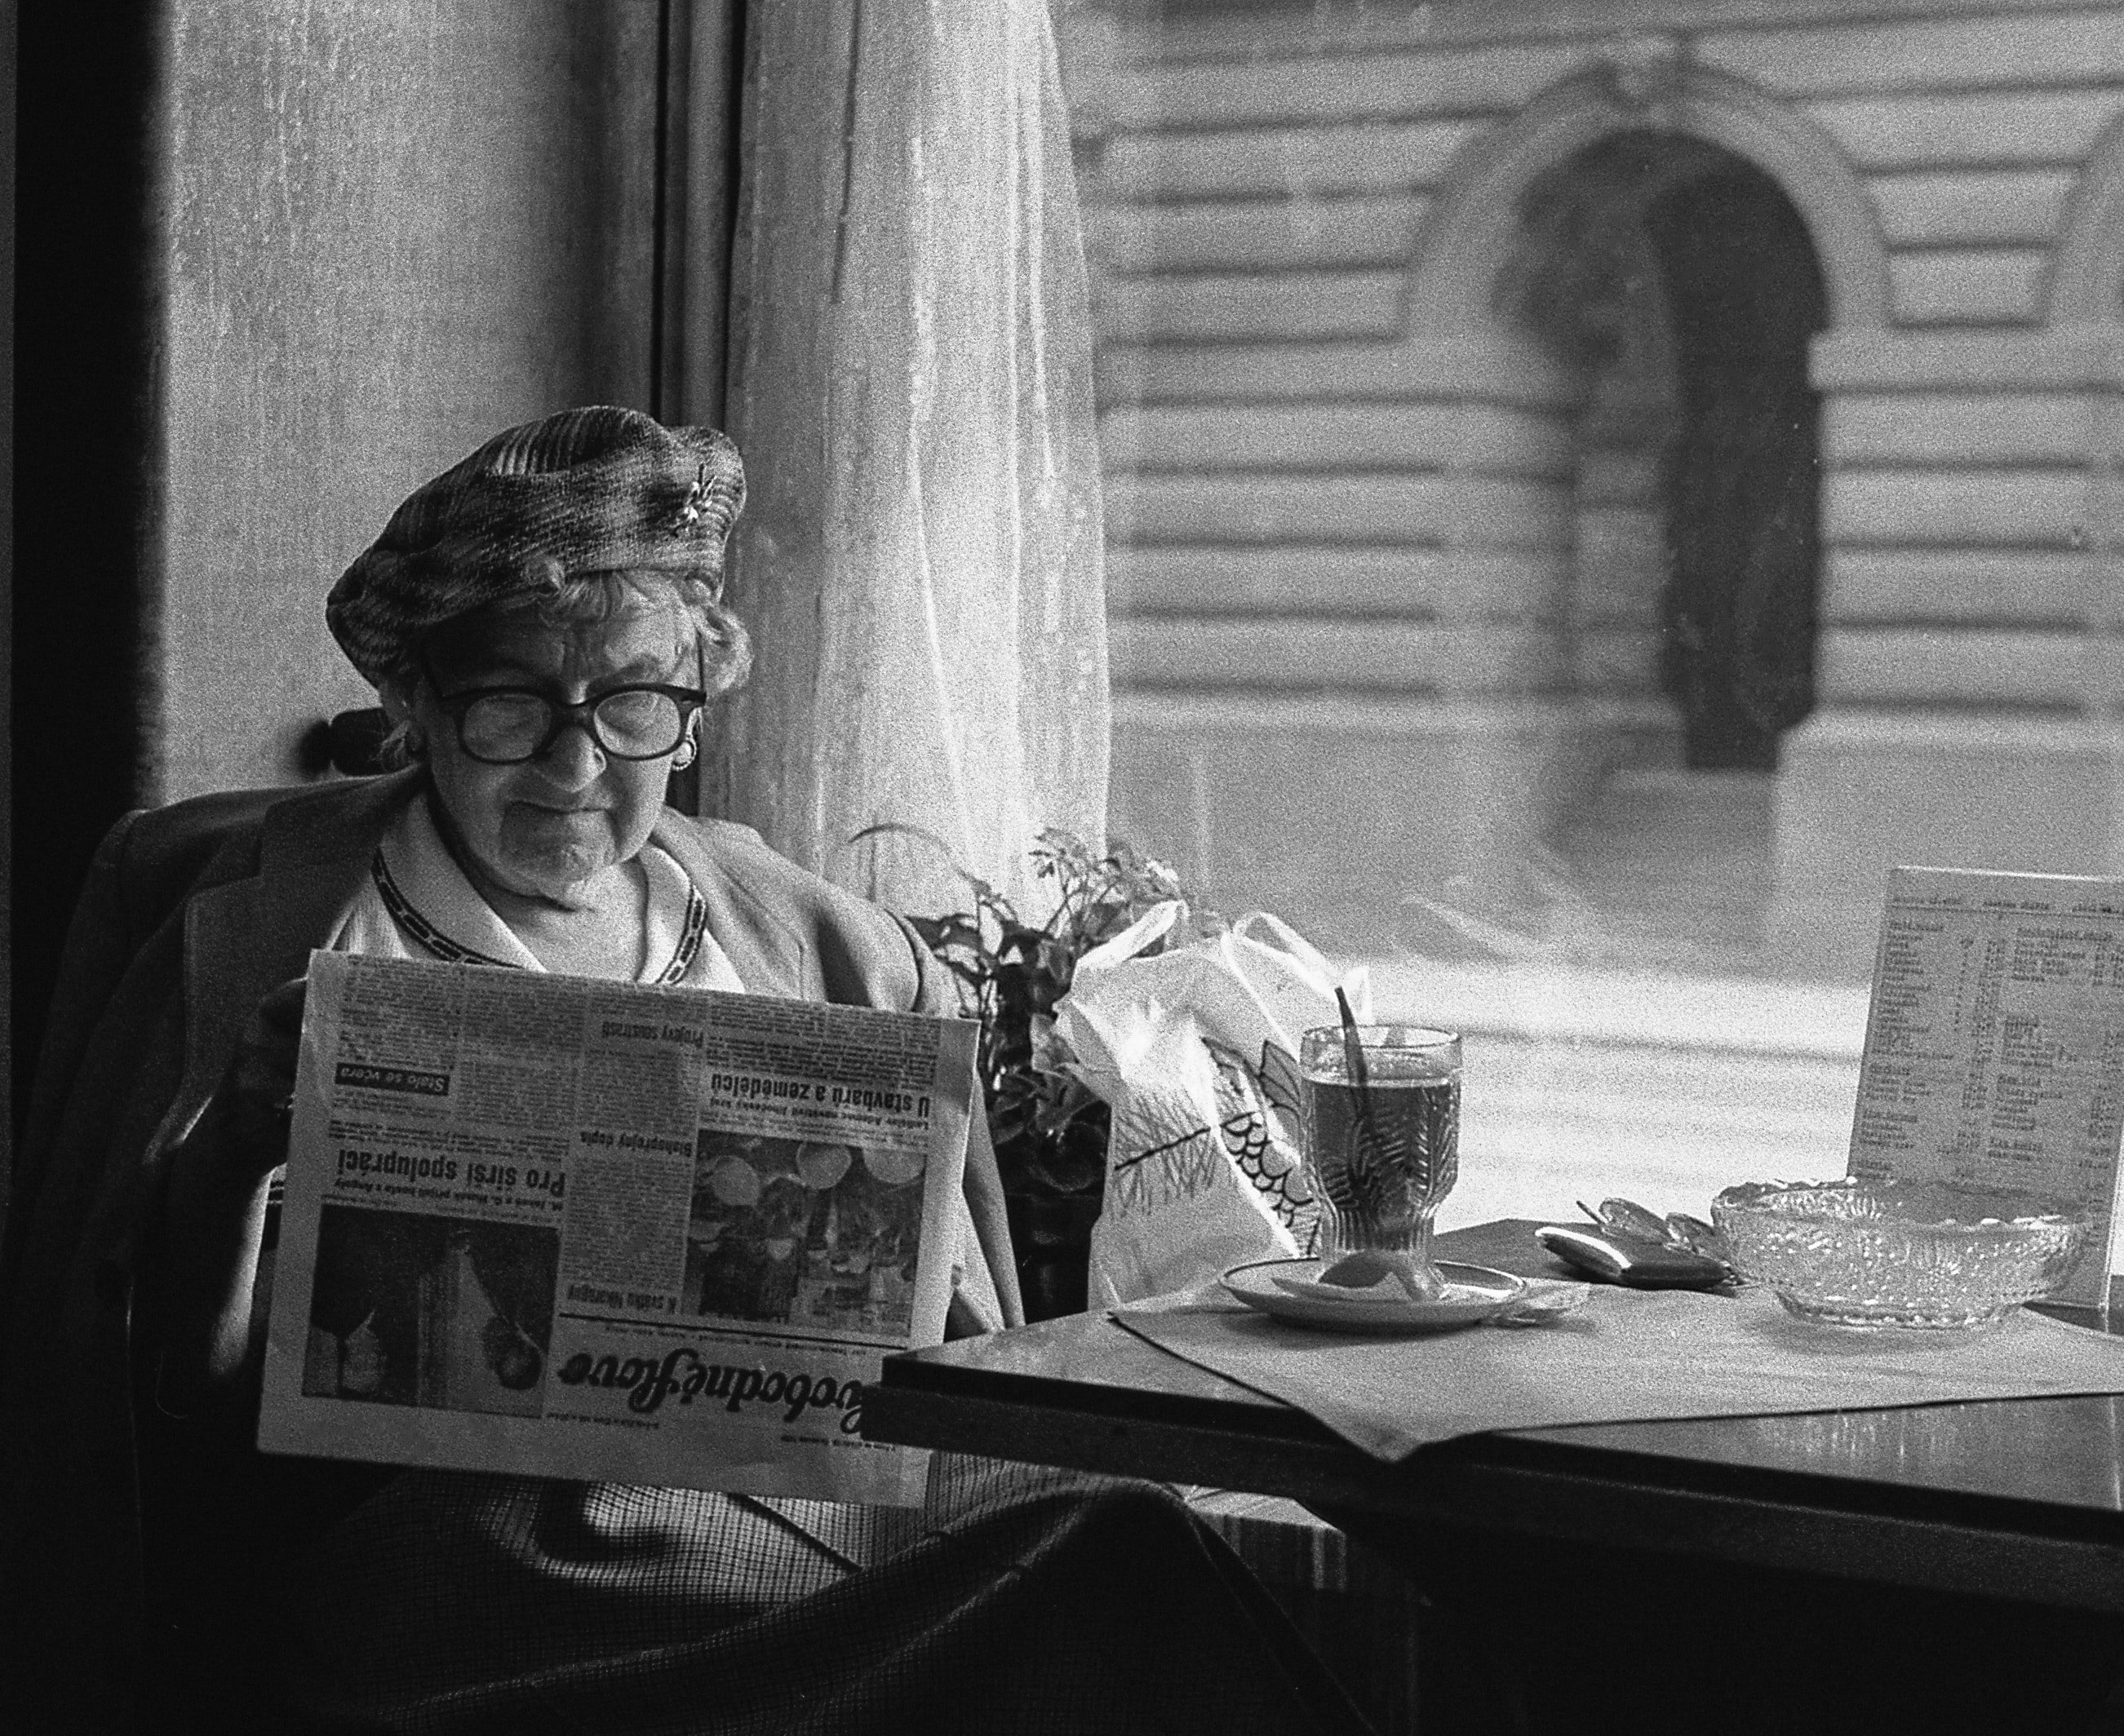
{"type": "Point", "coordinates": [213, 1218]}
{"type": "Point", "coordinates": [243, 1129]}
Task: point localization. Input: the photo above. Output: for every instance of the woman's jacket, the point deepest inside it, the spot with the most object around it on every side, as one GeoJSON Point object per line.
{"type": "Point", "coordinates": [190, 914]}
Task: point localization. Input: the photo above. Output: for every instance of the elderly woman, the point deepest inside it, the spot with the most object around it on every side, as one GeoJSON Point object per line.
{"type": "Point", "coordinates": [544, 625]}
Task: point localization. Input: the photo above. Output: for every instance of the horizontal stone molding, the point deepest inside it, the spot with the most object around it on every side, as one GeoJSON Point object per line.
{"type": "Point", "coordinates": [1329, 808]}
{"type": "Point", "coordinates": [2050, 358]}
{"type": "Point", "coordinates": [1276, 232]}
{"type": "Point", "coordinates": [2068, 47]}
{"type": "Point", "coordinates": [1312, 90]}
{"type": "Point", "coordinates": [1499, 439]}
{"type": "Point", "coordinates": [1967, 128]}
{"type": "Point", "coordinates": [1612, 659]}
{"type": "Point", "coordinates": [1507, 584]}
{"type": "Point", "coordinates": [1971, 207]}
{"type": "Point", "coordinates": [2028, 508]}
{"type": "Point", "coordinates": [1480, 366]}
{"type": "Point", "coordinates": [1295, 651]}
{"type": "Point", "coordinates": [1951, 731]}
{"type": "Point", "coordinates": [1861, 790]}
{"type": "Point", "coordinates": [1622, 475]}
{"type": "Point", "coordinates": [1248, 34]}
{"type": "Point", "coordinates": [1962, 428]}
{"type": "Point", "coordinates": [1441, 717]}
{"type": "Point", "coordinates": [2024, 667]}
{"type": "Point", "coordinates": [1967, 286]}
{"type": "Point", "coordinates": [1448, 512]}
{"type": "Point", "coordinates": [1278, 306]}
{"type": "Point", "coordinates": [1293, 163]}
{"type": "Point", "coordinates": [1968, 586]}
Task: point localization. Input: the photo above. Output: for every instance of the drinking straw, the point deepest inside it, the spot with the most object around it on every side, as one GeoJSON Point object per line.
{"type": "Point", "coordinates": [1366, 1144]}
{"type": "Point", "coordinates": [1353, 1045]}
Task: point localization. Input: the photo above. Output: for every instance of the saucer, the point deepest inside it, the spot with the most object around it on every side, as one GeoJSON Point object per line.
{"type": "Point", "coordinates": [1472, 1294]}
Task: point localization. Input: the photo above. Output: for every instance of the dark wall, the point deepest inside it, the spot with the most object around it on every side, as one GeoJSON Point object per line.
{"type": "Point", "coordinates": [7, 54]}
{"type": "Point", "coordinates": [87, 294]}
{"type": "Point", "coordinates": [387, 232]}
{"type": "Point", "coordinates": [278, 265]}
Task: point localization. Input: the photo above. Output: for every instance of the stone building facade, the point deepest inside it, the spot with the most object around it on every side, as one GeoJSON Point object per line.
{"type": "Point", "coordinates": [1455, 471]}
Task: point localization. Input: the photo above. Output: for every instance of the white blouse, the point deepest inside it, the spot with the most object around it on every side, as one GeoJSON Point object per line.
{"type": "Point", "coordinates": [417, 903]}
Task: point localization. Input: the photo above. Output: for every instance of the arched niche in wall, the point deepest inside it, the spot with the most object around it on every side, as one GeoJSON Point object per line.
{"type": "Point", "coordinates": [2086, 311]}
{"type": "Point", "coordinates": [1474, 224]}
{"type": "Point", "coordinates": [2087, 271]}
{"type": "Point", "coordinates": [1668, 242]}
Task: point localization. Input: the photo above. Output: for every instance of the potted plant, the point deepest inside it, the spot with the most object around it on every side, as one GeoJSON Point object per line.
{"type": "Point", "coordinates": [1049, 1131]}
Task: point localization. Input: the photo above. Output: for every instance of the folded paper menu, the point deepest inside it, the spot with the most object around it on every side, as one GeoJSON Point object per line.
{"type": "Point", "coordinates": [1995, 1046]}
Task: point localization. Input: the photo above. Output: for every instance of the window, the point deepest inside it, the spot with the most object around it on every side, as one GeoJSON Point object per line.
{"type": "Point", "coordinates": [1583, 500]}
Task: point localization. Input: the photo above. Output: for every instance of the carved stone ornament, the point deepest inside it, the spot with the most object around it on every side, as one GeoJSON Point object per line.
{"type": "Point", "coordinates": [1644, 68]}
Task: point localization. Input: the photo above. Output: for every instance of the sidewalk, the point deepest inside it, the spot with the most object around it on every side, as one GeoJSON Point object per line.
{"type": "Point", "coordinates": [1582, 1084]}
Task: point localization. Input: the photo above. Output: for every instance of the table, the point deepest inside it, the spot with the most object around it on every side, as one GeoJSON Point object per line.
{"type": "Point", "coordinates": [2005, 1518]}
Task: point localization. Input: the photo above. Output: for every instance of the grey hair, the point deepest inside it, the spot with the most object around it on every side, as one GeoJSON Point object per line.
{"type": "Point", "coordinates": [723, 647]}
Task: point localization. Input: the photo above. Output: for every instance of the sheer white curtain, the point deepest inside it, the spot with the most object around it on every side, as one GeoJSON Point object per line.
{"type": "Point", "coordinates": [921, 561]}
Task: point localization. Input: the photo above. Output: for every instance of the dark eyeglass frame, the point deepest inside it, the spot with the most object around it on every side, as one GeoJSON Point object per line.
{"type": "Point", "coordinates": [582, 714]}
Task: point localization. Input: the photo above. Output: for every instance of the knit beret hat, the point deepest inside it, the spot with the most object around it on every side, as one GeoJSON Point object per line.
{"type": "Point", "coordinates": [586, 491]}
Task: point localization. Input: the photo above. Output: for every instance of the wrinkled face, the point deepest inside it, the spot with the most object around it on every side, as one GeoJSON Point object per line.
{"type": "Point", "coordinates": [550, 827]}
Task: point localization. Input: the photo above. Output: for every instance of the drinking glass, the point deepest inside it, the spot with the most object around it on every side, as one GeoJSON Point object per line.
{"type": "Point", "coordinates": [1382, 1138]}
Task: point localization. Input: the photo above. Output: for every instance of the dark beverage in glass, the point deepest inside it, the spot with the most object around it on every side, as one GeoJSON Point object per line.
{"type": "Point", "coordinates": [1382, 1139]}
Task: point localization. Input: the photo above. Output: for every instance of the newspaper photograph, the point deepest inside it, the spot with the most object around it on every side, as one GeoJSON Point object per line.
{"type": "Point", "coordinates": [1994, 1045]}
{"type": "Point", "coordinates": [558, 1226]}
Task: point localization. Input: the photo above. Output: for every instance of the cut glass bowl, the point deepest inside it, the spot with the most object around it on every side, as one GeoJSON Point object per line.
{"type": "Point", "coordinates": [1854, 1253]}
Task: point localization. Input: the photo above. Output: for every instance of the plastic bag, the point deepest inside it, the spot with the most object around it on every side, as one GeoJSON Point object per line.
{"type": "Point", "coordinates": [1195, 1051]}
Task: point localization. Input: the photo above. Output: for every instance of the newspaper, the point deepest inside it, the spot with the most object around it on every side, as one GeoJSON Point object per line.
{"type": "Point", "coordinates": [1995, 1047]}
{"type": "Point", "coordinates": [563, 1227]}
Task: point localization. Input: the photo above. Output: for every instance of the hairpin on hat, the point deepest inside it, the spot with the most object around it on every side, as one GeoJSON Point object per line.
{"type": "Point", "coordinates": [689, 509]}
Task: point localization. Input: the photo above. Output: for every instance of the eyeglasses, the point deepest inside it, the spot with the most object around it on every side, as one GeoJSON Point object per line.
{"type": "Point", "coordinates": [505, 726]}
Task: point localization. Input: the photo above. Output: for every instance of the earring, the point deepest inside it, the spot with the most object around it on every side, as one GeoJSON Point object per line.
{"type": "Point", "coordinates": [683, 756]}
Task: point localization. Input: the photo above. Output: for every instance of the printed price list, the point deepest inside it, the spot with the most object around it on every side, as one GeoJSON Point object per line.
{"type": "Point", "coordinates": [1994, 1048]}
